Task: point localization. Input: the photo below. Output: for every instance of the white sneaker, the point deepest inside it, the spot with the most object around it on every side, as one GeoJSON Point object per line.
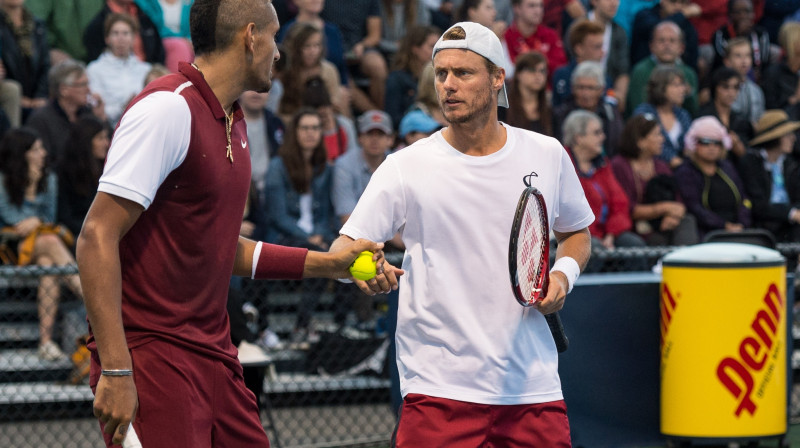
{"type": "Point", "coordinates": [49, 351]}
{"type": "Point", "coordinates": [270, 341]}
{"type": "Point", "coordinates": [252, 354]}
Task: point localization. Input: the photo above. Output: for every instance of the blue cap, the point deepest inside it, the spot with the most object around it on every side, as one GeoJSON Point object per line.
{"type": "Point", "coordinates": [418, 121]}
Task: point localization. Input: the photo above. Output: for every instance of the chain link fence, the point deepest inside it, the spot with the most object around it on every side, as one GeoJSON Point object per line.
{"type": "Point", "coordinates": [325, 378]}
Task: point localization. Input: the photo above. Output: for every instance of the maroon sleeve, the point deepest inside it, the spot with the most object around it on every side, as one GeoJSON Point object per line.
{"type": "Point", "coordinates": [280, 262]}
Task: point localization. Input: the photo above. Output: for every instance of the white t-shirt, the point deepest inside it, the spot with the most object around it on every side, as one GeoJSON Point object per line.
{"type": "Point", "coordinates": [460, 332]}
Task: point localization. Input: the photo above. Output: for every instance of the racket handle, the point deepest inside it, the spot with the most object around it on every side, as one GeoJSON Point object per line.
{"type": "Point", "coordinates": [557, 330]}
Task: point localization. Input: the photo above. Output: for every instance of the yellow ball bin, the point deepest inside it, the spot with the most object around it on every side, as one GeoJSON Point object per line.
{"type": "Point", "coordinates": [723, 342]}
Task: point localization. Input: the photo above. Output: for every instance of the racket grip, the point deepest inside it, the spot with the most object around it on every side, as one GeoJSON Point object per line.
{"type": "Point", "coordinates": [557, 330]}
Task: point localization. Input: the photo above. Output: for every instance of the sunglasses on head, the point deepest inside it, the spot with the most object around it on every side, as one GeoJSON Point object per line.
{"type": "Point", "coordinates": [708, 141]}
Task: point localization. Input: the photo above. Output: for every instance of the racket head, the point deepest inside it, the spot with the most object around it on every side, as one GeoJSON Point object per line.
{"type": "Point", "coordinates": [529, 248]}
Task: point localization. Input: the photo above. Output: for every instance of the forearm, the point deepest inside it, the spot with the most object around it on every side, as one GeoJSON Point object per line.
{"type": "Point", "coordinates": [576, 245]}
{"type": "Point", "coordinates": [373, 37]}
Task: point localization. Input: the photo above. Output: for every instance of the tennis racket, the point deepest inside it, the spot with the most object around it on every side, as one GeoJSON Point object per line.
{"type": "Point", "coordinates": [529, 257]}
{"type": "Point", "coordinates": [131, 439]}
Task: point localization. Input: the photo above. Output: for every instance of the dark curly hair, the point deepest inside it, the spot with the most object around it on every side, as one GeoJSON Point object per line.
{"type": "Point", "coordinates": [14, 166]}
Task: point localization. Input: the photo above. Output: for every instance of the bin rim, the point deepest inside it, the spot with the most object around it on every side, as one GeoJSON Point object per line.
{"type": "Point", "coordinates": [729, 255]}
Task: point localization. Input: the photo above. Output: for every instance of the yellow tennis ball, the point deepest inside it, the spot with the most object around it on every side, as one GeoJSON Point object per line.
{"type": "Point", "coordinates": [363, 268]}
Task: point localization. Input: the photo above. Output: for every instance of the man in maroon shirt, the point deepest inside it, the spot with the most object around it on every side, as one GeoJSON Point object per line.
{"type": "Point", "coordinates": [161, 241]}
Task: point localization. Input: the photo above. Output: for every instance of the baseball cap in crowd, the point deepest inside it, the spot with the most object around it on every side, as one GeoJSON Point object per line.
{"type": "Point", "coordinates": [418, 121]}
{"type": "Point", "coordinates": [481, 40]}
{"type": "Point", "coordinates": [375, 119]}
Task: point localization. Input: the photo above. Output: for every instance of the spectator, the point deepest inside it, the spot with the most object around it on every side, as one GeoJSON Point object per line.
{"type": "Point", "coordinates": [66, 21]}
{"type": "Point", "coordinates": [527, 33]}
{"type": "Point", "coordinates": [304, 54]}
{"type": "Point", "coordinates": [583, 137]}
{"type": "Point", "coordinates": [415, 126]}
{"type": "Point", "coordinates": [79, 170]}
{"type": "Point", "coordinates": [645, 24]}
{"type": "Point", "coordinates": [771, 176]}
{"type": "Point", "coordinates": [298, 206]}
{"type": "Point", "coordinates": [528, 105]}
{"type": "Point", "coordinates": [559, 14]}
{"type": "Point", "coordinates": [667, 46]}
{"type": "Point", "coordinates": [308, 11]}
{"type": "Point", "coordinates": [776, 13]}
{"type": "Point", "coordinates": [415, 52]}
{"type": "Point", "coordinates": [339, 132]}
{"type": "Point", "coordinates": [781, 82]}
{"type": "Point", "coordinates": [725, 85]}
{"type": "Point", "coordinates": [741, 23]}
{"type": "Point", "coordinates": [588, 94]}
{"type": "Point", "coordinates": [709, 184]}
{"type": "Point", "coordinates": [627, 12]}
{"type": "Point", "coordinates": [28, 193]}
{"type": "Point", "coordinates": [586, 44]}
{"type": "Point", "coordinates": [360, 22]}
{"type": "Point", "coordinates": [657, 213]}
{"type": "Point", "coordinates": [427, 100]}
{"type": "Point", "coordinates": [70, 99]}
{"type": "Point", "coordinates": [441, 12]}
{"type": "Point", "coordinates": [750, 101]}
{"type": "Point", "coordinates": [483, 12]}
{"type": "Point", "coordinates": [171, 18]}
{"type": "Point", "coordinates": [25, 53]}
{"type": "Point", "coordinates": [117, 76]}
{"type": "Point", "coordinates": [666, 90]}
{"type": "Point", "coordinates": [147, 45]}
{"type": "Point", "coordinates": [616, 51]}
{"type": "Point", "coordinates": [264, 136]}
{"type": "Point", "coordinates": [397, 16]}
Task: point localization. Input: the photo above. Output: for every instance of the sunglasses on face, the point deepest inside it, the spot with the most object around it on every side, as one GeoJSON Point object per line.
{"type": "Point", "coordinates": [708, 141]}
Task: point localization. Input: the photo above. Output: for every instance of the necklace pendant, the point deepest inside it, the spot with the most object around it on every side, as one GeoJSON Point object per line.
{"type": "Point", "coordinates": [229, 153]}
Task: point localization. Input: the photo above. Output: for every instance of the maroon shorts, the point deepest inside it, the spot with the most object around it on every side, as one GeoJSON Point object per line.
{"type": "Point", "coordinates": [187, 399]}
{"type": "Point", "coordinates": [439, 422]}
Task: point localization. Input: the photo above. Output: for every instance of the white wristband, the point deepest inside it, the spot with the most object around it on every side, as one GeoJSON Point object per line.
{"type": "Point", "coordinates": [256, 256]}
{"type": "Point", "coordinates": [570, 268]}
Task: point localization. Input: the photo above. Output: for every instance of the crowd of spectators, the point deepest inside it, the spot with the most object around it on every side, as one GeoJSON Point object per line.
{"type": "Point", "coordinates": [680, 117]}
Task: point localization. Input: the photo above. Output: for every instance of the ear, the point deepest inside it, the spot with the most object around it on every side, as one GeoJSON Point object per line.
{"type": "Point", "coordinates": [249, 37]}
{"type": "Point", "coordinates": [499, 78]}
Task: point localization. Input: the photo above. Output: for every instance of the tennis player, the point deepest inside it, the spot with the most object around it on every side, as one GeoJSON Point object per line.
{"type": "Point", "coordinates": [161, 241]}
{"type": "Point", "coordinates": [476, 368]}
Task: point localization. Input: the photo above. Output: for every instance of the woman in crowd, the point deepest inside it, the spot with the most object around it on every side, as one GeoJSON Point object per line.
{"type": "Point", "coordinates": [583, 136]}
{"type": "Point", "coordinates": [298, 206]}
{"type": "Point", "coordinates": [304, 54]}
{"type": "Point", "coordinates": [28, 197]}
{"type": "Point", "coordinates": [771, 176]}
{"type": "Point", "coordinates": [79, 170]}
{"type": "Point", "coordinates": [25, 52]}
{"type": "Point", "coordinates": [655, 208]}
{"type": "Point", "coordinates": [415, 52]}
{"type": "Point", "coordinates": [724, 87]}
{"type": "Point", "coordinates": [528, 106]}
{"type": "Point", "coordinates": [483, 12]}
{"type": "Point", "coordinates": [117, 75]}
{"type": "Point", "coordinates": [666, 90]}
{"type": "Point", "coordinates": [708, 183]}
{"type": "Point", "coordinates": [338, 131]}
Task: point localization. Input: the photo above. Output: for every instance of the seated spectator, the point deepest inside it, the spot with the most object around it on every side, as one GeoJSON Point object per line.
{"type": "Point", "coordinates": [711, 14]}
{"type": "Point", "coordinates": [771, 176]}
{"type": "Point", "coordinates": [483, 12]}
{"type": "Point", "coordinates": [612, 227]}
{"type": "Point", "coordinates": [397, 17]}
{"type": "Point", "coordinates": [298, 203]}
{"type": "Point", "coordinates": [527, 33]}
{"type": "Point", "coordinates": [65, 21]}
{"type": "Point", "coordinates": [304, 54]}
{"type": "Point", "coordinates": [781, 81]}
{"type": "Point", "coordinates": [750, 101]}
{"type": "Point", "coordinates": [741, 23]}
{"type": "Point", "coordinates": [171, 18]}
{"type": "Point", "coordinates": [28, 194]}
{"type": "Point", "coordinates": [666, 90]}
{"type": "Point", "coordinates": [708, 183]}
{"type": "Point", "coordinates": [70, 99]}
{"type": "Point", "coordinates": [658, 215]}
{"type": "Point", "coordinates": [616, 50]}
{"type": "Point", "coordinates": [414, 53]}
{"type": "Point", "coordinates": [646, 21]}
{"type": "Point", "coordinates": [667, 46]}
{"type": "Point", "coordinates": [588, 93]}
{"type": "Point", "coordinates": [528, 105]}
{"type": "Point", "coordinates": [360, 22]}
{"type": "Point", "coordinates": [338, 131]}
{"type": "Point", "coordinates": [264, 136]}
{"type": "Point", "coordinates": [585, 44]}
{"type": "Point", "coordinates": [415, 126]}
{"type": "Point", "coordinates": [724, 86]}
{"type": "Point", "coordinates": [147, 45]}
{"type": "Point", "coordinates": [117, 76]}
{"type": "Point", "coordinates": [79, 170]}
{"type": "Point", "coordinates": [25, 53]}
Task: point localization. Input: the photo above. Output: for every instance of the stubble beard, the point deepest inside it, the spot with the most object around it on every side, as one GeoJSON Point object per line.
{"type": "Point", "coordinates": [481, 109]}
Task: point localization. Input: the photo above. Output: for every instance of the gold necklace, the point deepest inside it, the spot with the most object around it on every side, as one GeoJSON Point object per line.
{"type": "Point", "coordinates": [228, 123]}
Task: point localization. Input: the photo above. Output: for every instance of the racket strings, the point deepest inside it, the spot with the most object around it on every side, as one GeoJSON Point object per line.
{"type": "Point", "coordinates": [531, 252]}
